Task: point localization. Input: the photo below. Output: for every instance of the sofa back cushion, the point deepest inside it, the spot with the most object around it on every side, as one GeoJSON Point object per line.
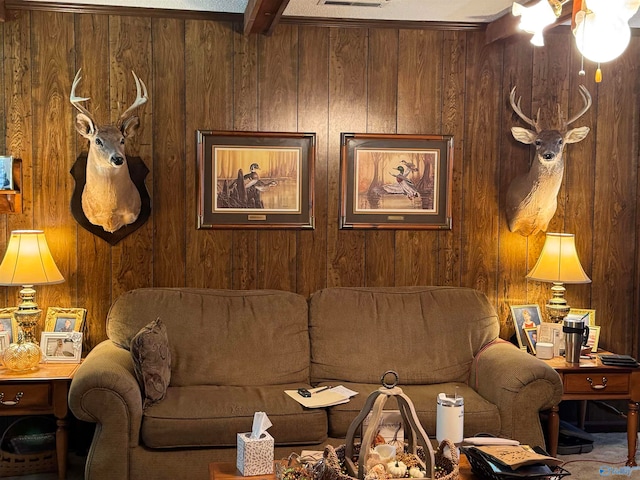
{"type": "Point", "coordinates": [426, 334]}
{"type": "Point", "coordinates": [221, 337]}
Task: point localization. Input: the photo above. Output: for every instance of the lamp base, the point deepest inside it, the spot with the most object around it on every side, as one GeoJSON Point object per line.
{"type": "Point", "coordinates": [557, 308]}
{"type": "Point", "coordinates": [22, 357]}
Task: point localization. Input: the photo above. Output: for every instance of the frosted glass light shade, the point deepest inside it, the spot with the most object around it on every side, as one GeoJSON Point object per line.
{"type": "Point", "coordinates": [535, 19]}
{"type": "Point", "coordinates": [601, 38]}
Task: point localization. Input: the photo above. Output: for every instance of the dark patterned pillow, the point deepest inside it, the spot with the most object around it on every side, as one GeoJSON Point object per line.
{"type": "Point", "coordinates": [152, 361]}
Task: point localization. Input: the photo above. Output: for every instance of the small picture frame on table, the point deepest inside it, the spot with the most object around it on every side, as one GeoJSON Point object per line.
{"type": "Point", "coordinates": [64, 319]}
{"type": "Point", "coordinates": [4, 341]}
{"type": "Point", "coordinates": [588, 315]}
{"type": "Point", "coordinates": [61, 347]}
{"type": "Point", "coordinates": [593, 338]}
{"type": "Point", "coordinates": [525, 316]}
{"type": "Point", "coordinates": [8, 323]}
{"type": "Point", "coordinates": [531, 336]}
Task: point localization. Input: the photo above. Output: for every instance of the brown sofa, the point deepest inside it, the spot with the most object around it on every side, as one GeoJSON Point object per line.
{"type": "Point", "coordinates": [235, 352]}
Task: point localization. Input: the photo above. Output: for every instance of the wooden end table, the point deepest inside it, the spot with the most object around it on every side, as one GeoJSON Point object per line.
{"type": "Point", "coordinates": [592, 380]}
{"type": "Point", "coordinates": [40, 392]}
{"type": "Point", "coordinates": [228, 471]}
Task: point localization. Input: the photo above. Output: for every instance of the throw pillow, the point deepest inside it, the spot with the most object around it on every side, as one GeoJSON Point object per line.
{"type": "Point", "coordinates": [152, 361]}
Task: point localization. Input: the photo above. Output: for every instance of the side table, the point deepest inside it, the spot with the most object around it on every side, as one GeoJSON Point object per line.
{"type": "Point", "coordinates": [43, 391]}
{"type": "Point", "coordinates": [592, 380]}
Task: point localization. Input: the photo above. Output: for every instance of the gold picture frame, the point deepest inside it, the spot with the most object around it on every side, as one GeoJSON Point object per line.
{"type": "Point", "coordinates": [525, 316]}
{"type": "Point", "coordinates": [531, 337]}
{"type": "Point", "coordinates": [8, 323]}
{"type": "Point", "coordinates": [593, 338]}
{"type": "Point", "coordinates": [64, 319]}
{"type": "Point", "coordinates": [581, 312]}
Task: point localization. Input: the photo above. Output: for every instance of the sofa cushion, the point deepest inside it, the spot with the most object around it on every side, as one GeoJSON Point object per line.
{"type": "Point", "coordinates": [479, 414]}
{"type": "Point", "coordinates": [211, 416]}
{"type": "Point", "coordinates": [152, 361]}
{"type": "Point", "coordinates": [218, 336]}
{"type": "Point", "coordinates": [427, 334]}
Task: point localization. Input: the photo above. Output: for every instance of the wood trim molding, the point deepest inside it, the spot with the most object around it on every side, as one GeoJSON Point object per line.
{"type": "Point", "coordinates": [262, 16]}
{"type": "Point", "coordinates": [363, 23]}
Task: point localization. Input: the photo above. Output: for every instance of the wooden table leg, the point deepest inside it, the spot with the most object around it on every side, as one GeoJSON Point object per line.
{"type": "Point", "coordinates": [554, 430]}
{"type": "Point", "coordinates": [60, 411]}
{"type": "Point", "coordinates": [632, 433]}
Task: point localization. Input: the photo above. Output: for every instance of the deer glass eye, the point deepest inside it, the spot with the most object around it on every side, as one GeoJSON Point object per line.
{"type": "Point", "coordinates": [122, 141]}
{"type": "Point", "coordinates": [538, 143]}
{"type": "Point", "coordinates": [98, 142]}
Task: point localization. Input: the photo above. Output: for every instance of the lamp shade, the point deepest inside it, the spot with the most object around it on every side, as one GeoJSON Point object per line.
{"type": "Point", "coordinates": [28, 260]}
{"type": "Point", "coordinates": [558, 261]}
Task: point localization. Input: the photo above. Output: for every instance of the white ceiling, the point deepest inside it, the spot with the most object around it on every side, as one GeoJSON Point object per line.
{"type": "Point", "coordinates": [467, 11]}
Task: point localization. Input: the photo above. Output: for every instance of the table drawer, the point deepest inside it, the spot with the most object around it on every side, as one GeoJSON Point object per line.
{"type": "Point", "coordinates": [596, 383]}
{"type": "Point", "coordinates": [34, 395]}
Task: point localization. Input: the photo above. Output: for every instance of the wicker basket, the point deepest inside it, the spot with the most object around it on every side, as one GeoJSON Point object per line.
{"type": "Point", "coordinates": [13, 464]}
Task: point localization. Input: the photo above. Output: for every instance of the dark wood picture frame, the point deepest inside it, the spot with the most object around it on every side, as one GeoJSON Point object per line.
{"type": "Point", "coordinates": [255, 180]}
{"type": "Point", "coordinates": [396, 181]}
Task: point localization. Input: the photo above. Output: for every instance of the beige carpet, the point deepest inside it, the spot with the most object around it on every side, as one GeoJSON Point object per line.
{"type": "Point", "coordinates": [605, 461]}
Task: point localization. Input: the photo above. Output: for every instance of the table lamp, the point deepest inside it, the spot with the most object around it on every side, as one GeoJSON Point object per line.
{"type": "Point", "coordinates": [559, 264]}
{"type": "Point", "coordinates": [27, 262]}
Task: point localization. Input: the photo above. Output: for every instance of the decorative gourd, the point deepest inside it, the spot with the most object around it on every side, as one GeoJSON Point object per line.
{"type": "Point", "coordinates": [397, 469]}
{"type": "Point", "coordinates": [415, 472]}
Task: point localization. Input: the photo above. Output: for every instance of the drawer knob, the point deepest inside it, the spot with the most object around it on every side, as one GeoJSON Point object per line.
{"type": "Point", "coordinates": [598, 387]}
{"type": "Point", "coordinates": [11, 403]}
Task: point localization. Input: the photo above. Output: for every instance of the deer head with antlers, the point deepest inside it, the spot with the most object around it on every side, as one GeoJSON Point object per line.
{"type": "Point", "coordinates": [110, 198]}
{"type": "Point", "coordinates": [532, 197]}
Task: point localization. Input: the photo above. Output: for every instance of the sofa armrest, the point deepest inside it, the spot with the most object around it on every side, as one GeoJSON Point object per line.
{"type": "Point", "coordinates": [104, 390]}
{"type": "Point", "coordinates": [520, 385]}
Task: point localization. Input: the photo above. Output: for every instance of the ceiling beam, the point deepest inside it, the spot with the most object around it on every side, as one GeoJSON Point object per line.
{"type": "Point", "coordinates": [507, 25]}
{"type": "Point", "coordinates": [262, 16]}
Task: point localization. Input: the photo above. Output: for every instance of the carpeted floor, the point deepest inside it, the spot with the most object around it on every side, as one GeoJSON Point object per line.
{"type": "Point", "coordinates": [606, 460]}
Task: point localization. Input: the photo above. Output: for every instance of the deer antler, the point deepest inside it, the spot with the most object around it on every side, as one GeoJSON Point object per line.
{"type": "Point", "coordinates": [75, 100]}
{"type": "Point", "coordinates": [141, 98]}
{"type": "Point", "coordinates": [586, 98]}
{"type": "Point", "coordinates": [518, 110]}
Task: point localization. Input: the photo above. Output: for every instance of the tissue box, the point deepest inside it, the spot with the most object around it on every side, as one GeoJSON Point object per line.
{"type": "Point", "coordinates": [255, 455]}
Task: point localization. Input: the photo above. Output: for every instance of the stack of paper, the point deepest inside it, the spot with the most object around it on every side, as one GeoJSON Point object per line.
{"type": "Point", "coordinates": [323, 396]}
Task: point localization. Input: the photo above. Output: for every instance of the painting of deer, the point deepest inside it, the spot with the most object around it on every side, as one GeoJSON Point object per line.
{"type": "Point", "coordinates": [110, 199]}
{"type": "Point", "coordinates": [532, 198]}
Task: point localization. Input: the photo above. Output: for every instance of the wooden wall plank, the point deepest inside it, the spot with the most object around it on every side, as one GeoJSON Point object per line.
{"type": "Point", "coordinates": [54, 147]}
{"type": "Point", "coordinates": [169, 243]}
{"type": "Point", "coordinates": [277, 112]}
{"type": "Point", "coordinates": [615, 208]}
{"type": "Point", "coordinates": [514, 161]}
{"type": "Point", "coordinates": [313, 109]}
{"type": "Point", "coordinates": [347, 113]}
{"type": "Point", "coordinates": [453, 123]}
{"type": "Point", "coordinates": [94, 254]}
{"type": "Point", "coordinates": [245, 117]}
{"type": "Point", "coordinates": [480, 227]}
{"type": "Point", "coordinates": [130, 49]}
{"type": "Point", "coordinates": [382, 100]}
{"type": "Point", "coordinates": [420, 90]}
{"type": "Point", "coordinates": [209, 106]}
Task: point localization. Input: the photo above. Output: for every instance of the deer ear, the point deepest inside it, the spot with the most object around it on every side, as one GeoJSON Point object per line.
{"type": "Point", "coordinates": [85, 126]}
{"type": "Point", "coordinates": [523, 135]}
{"type": "Point", "coordinates": [576, 134]}
{"type": "Point", "coordinates": [130, 126]}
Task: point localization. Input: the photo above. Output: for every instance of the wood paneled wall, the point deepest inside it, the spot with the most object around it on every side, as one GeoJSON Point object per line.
{"type": "Point", "coordinates": [206, 75]}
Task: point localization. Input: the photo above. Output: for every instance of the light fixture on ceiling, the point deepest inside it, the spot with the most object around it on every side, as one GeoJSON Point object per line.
{"type": "Point", "coordinates": [536, 18]}
{"type": "Point", "coordinates": [602, 28]}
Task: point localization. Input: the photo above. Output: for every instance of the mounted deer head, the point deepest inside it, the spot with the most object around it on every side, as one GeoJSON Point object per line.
{"type": "Point", "coordinates": [532, 198]}
{"type": "Point", "coordinates": [109, 199]}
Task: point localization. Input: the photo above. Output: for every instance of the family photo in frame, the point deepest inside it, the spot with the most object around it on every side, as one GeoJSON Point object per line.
{"type": "Point", "coordinates": [525, 316]}
{"type": "Point", "coordinates": [64, 319]}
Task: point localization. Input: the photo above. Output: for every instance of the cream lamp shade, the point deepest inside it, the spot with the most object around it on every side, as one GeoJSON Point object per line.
{"type": "Point", "coordinates": [28, 260]}
{"type": "Point", "coordinates": [558, 263]}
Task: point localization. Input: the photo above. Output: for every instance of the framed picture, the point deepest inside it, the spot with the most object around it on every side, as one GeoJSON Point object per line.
{"type": "Point", "coordinates": [593, 338]}
{"type": "Point", "coordinates": [396, 181]}
{"type": "Point", "coordinates": [61, 346]}
{"type": "Point", "coordinates": [255, 180]}
{"type": "Point", "coordinates": [64, 319]}
{"type": "Point", "coordinates": [531, 337]}
{"type": "Point", "coordinates": [577, 313]}
{"type": "Point", "coordinates": [4, 341]}
{"type": "Point", "coordinates": [6, 173]}
{"type": "Point", "coordinates": [524, 316]}
{"type": "Point", "coordinates": [8, 323]}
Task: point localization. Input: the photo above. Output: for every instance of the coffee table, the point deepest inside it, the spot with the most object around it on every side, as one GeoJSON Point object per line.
{"type": "Point", "coordinates": [228, 471]}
